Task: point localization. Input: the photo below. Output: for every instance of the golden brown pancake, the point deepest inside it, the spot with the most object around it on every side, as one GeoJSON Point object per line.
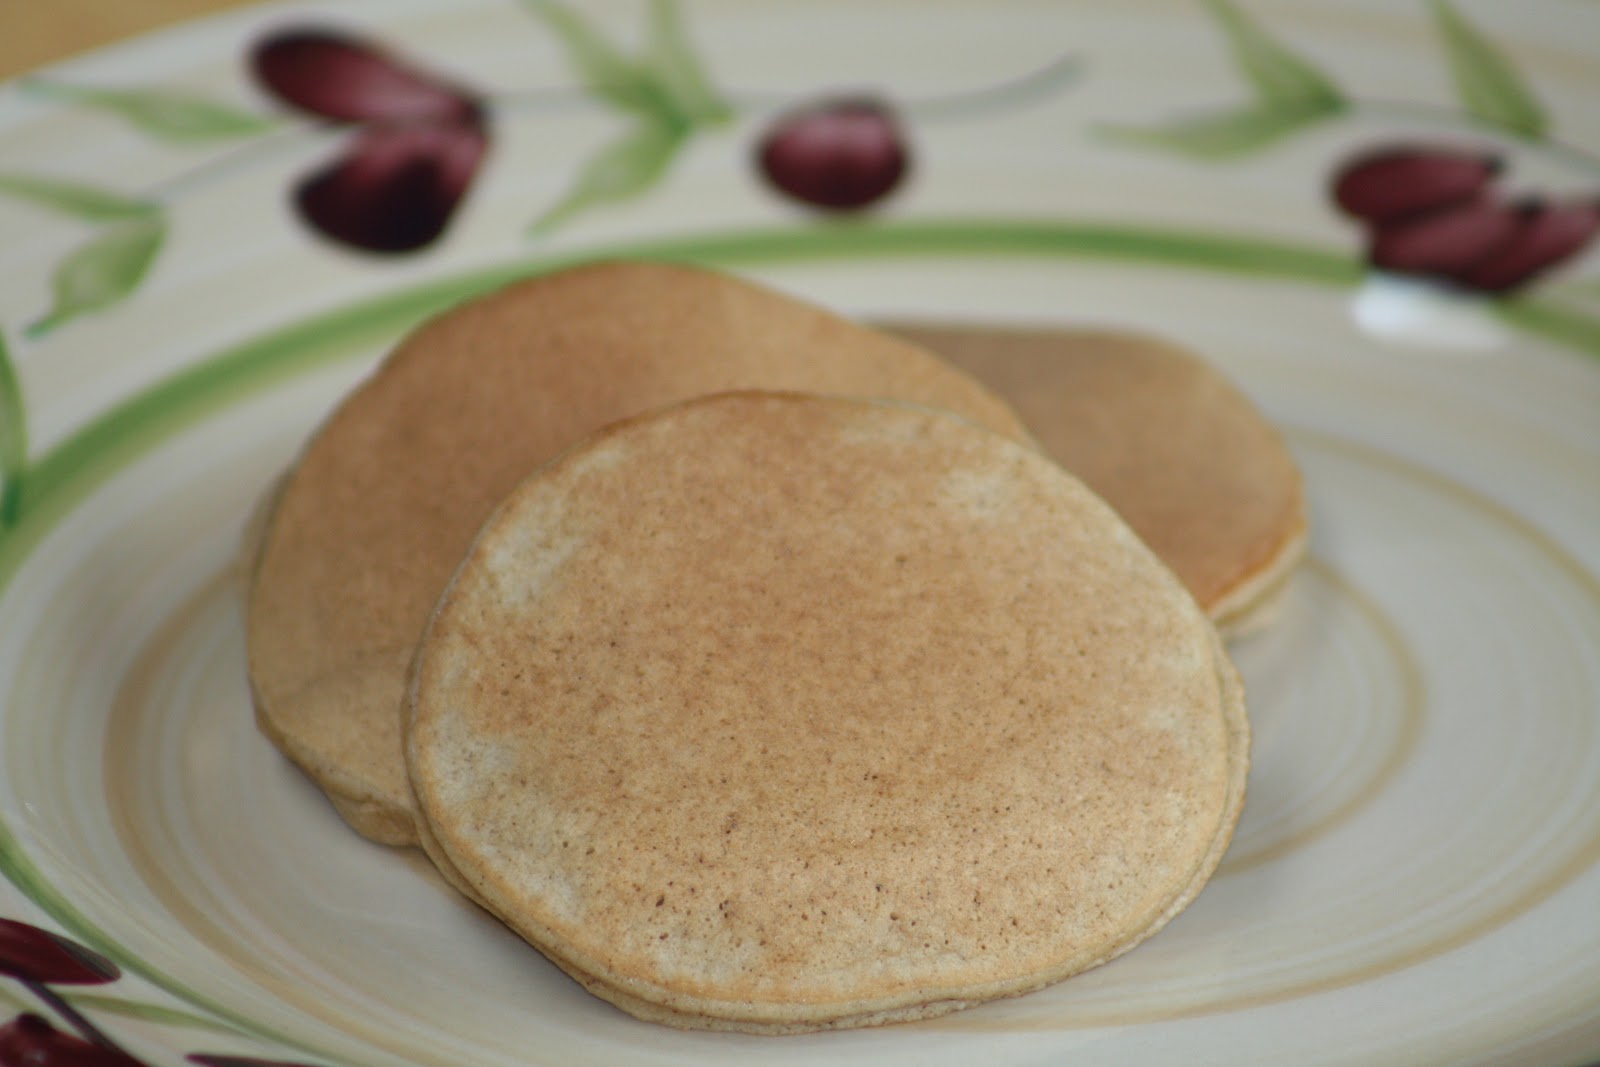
{"type": "Point", "coordinates": [1165, 438]}
{"type": "Point", "coordinates": [386, 496]}
{"type": "Point", "coordinates": [777, 713]}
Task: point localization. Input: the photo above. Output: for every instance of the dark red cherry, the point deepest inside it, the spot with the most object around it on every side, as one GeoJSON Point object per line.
{"type": "Point", "coordinates": [840, 155]}
{"type": "Point", "coordinates": [30, 1041]}
{"type": "Point", "coordinates": [36, 955]}
{"type": "Point", "coordinates": [1445, 244]}
{"type": "Point", "coordinates": [396, 187]}
{"type": "Point", "coordinates": [340, 77]}
{"type": "Point", "coordinates": [1394, 182]}
{"type": "Point", "coordinates": [1546, 236]}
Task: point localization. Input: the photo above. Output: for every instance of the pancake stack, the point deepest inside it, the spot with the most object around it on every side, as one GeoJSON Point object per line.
{"type": "Point", "coordinates": [761, 670]}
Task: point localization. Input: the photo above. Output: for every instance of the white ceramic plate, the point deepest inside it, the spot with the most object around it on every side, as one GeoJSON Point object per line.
{"type": "Point", "coordinates": [1417, 875]}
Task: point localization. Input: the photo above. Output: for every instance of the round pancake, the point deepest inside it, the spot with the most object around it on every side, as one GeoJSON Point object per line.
{"type": "Point", "coordinates": [387, 495]}
{"type": "Point", "coordinates": [1165, 438]}
{"type": "Point", "coordinates": [778, 713]}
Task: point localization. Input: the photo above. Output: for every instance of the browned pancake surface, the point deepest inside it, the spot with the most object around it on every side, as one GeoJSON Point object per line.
{"type": "Point", "coordinates": [776, 713]}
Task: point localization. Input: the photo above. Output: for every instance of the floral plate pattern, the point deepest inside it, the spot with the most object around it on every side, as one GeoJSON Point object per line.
{"type": "Point", "coordinates": [1379, 218]}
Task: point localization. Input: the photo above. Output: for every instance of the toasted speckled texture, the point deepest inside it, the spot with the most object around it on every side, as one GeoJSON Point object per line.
{"type": "Point", "coordinates": [385, 498]}
{"type": "Point", "coordinates": [778, 713]}
{"type": "Point", "coordinates": [1185, 457]}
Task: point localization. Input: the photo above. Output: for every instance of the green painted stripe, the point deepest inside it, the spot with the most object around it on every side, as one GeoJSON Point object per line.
{"type": "Point", "coordinates": [73, 469]}
{"type": "Point", "coordinates": [13, 438]}
{"type": "Point", "coordinates": [1009, 238]}
{"type": "Point", "coordinates": [1566, 326]}
{"type": "Point", "coordinates": [152, 1013]}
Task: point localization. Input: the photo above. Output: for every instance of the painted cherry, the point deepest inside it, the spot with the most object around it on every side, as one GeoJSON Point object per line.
{"type": "Point", "coordinates": [1435, 212]}
{"type": "Point", "coordinates": [1546, 236]}
{"type": "Point", "coordinates": [1447, 243]}
{"type": "Point", "coordinates": [420, 143]}
{"type": "Point", "coordinates": [36, 955]}
{"type": "Point", "coordinates": [839, 155]}
{"type": "Point", "coordinates": [338, 77]}
{"type": "Point", "coordinates": [396, 187]}
{"type": "Point", "coordinates": [1397, 181]}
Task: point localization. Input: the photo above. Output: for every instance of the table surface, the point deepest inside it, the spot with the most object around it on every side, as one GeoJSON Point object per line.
{"type": "Point", "coordinates": [44, 33]}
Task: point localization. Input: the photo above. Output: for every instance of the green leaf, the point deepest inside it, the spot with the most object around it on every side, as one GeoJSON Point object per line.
{"type": "Point", "coordinates": [682, 78]}
{"type": "Point", "coordinates": [103, 271]}
{"type": "Point", "coordinates": [1290, 94]}
{"type": "Point", "coordinates": [604, 70]}
{"type": "Point", "coordinates": [1223, 135]}
{"type": "Point", "coordinates": [13, 439]}
{"type": "Point", "coordinates": [1489, 86]}
{"type": "Point", "coordinates": [153, 1013]}
{"type": "Point", "coordinates": [620, 171]}
{"type": "Point", "coordinates": [170, 116]}
{"type": "Point", "coordinates": [75, 199]}
{"type": "Point", "coordinates": [1281, 78]}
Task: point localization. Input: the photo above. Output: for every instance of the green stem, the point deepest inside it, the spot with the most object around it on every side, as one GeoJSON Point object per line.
{"type": "Point", "coordinates": [1044, 80]}
{"type": "Point", "coordinates": [13, 439]}
{"type": "Point", "coordinates": [238, 158]}
{"type": "Point", "coordinates": [1032, 85]}
{"type": "Point", "coordinates": [541, 101]}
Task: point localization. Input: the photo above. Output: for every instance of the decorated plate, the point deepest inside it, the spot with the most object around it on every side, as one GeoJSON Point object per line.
{"type": "Point", "coordinates": [1378, 218]}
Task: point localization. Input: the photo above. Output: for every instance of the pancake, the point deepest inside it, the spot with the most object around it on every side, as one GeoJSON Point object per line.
{"type": "Point", "coordinates": [1179, 450]}
{"type": "Point", "coordinates": [774, 713]}
{"type": "Point", "coordinates": [385, 498]}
